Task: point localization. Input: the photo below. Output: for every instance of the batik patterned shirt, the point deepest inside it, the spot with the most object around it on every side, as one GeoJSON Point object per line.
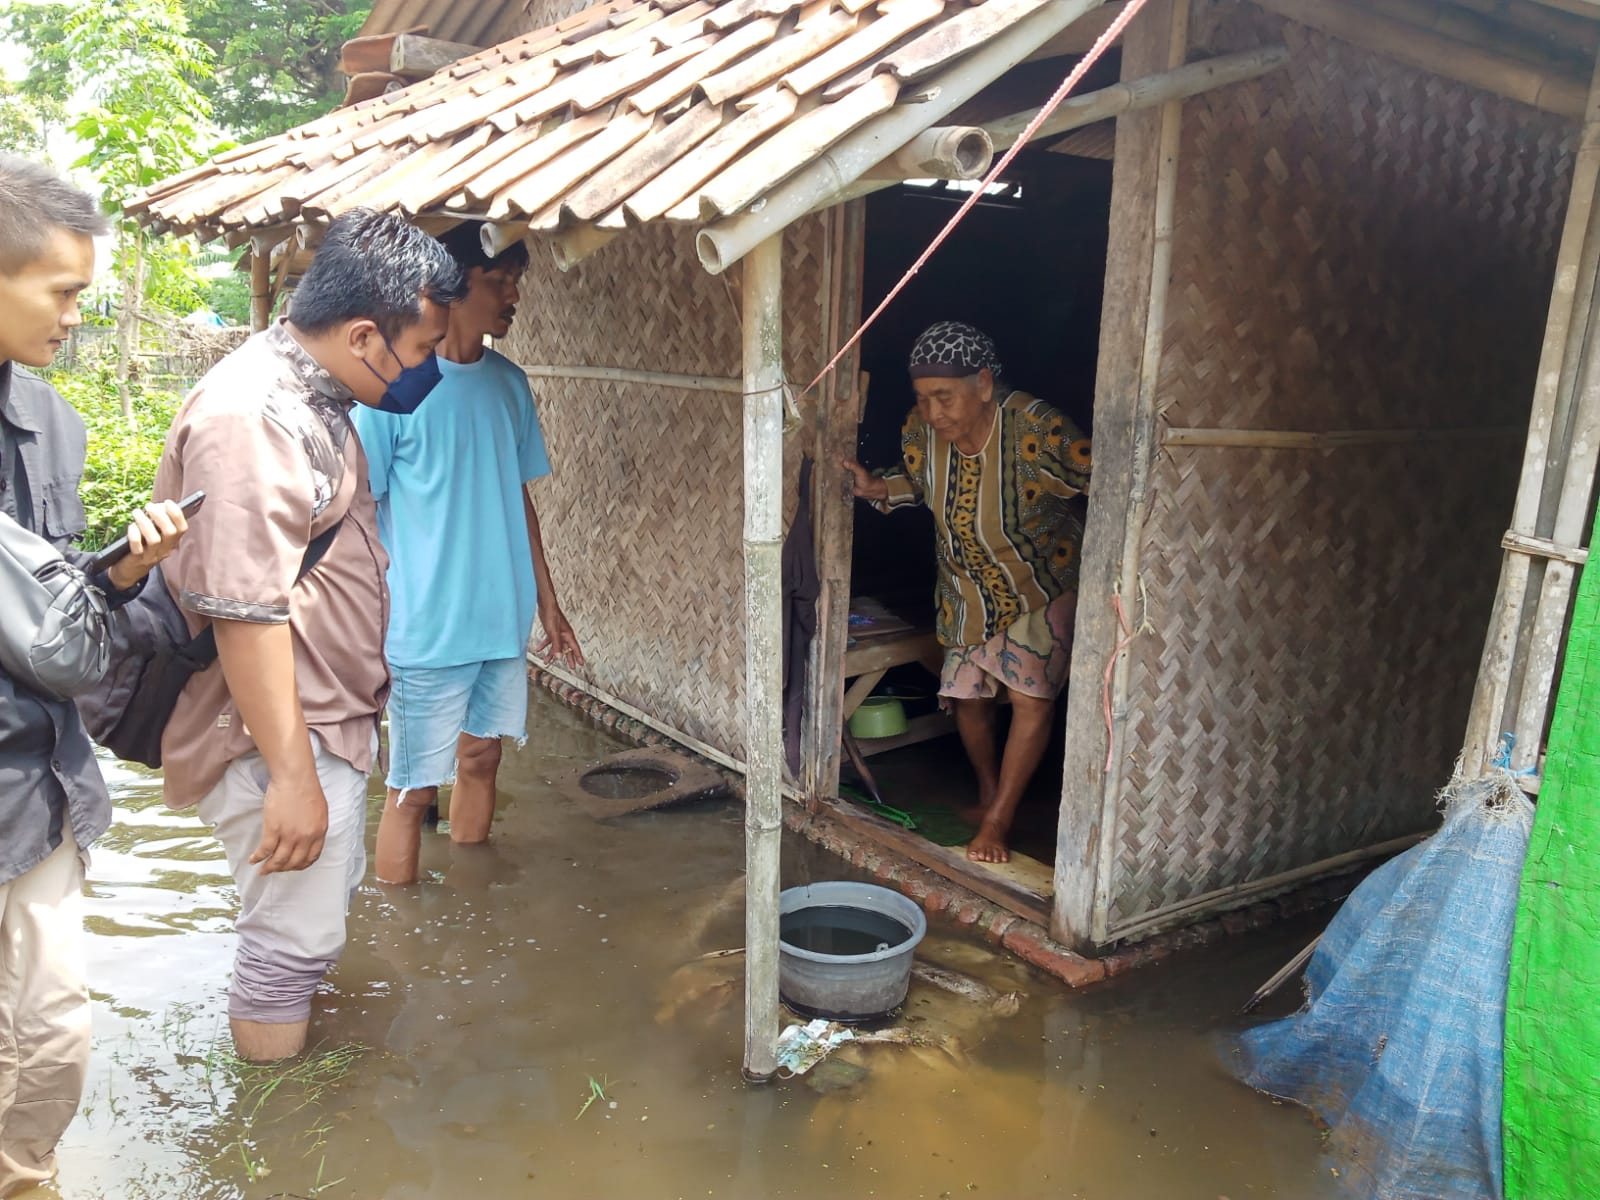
{"type": "Point", "coordinates": [1007, 529]}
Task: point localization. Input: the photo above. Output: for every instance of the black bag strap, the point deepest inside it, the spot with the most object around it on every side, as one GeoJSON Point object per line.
{"type": "Point", "coordinates": [202, 648]}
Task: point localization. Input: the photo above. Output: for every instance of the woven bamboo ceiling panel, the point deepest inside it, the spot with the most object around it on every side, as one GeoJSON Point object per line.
{"type": "Point", "coordinates": [628, 112]}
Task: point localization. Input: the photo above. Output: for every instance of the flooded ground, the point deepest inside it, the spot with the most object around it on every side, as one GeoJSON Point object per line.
{"type": "Point", "coordinates": [520, 1024]}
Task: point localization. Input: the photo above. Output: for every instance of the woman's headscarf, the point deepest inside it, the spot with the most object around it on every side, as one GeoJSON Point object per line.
{"type": "Point", "coordinates": [953, 350]}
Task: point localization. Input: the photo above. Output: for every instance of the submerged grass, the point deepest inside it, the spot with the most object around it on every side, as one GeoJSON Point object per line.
{"type": "Point", "coordinates": [597, 1091]}
{"type": "Point", "coordinates": [240, 1099]}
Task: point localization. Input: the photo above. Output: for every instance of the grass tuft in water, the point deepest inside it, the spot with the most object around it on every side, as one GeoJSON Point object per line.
{"type": "Point", "coordinates": [597, 1091]}
{"type": "Point", "coordinates": [241, 1099]}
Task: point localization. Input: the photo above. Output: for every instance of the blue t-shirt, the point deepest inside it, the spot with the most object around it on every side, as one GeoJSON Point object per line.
{"type": "Point", "coordinates": [448, 480]}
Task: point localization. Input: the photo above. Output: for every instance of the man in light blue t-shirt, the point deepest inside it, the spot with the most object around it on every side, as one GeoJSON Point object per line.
{"type": "Point", "coordinates": [467, 568]}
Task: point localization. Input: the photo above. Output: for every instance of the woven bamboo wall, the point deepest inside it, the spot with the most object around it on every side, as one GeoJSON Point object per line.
{"type": "Point", "coordinates": [1359, 245]}
{"type": "Point", "coordinates": [643, 515]}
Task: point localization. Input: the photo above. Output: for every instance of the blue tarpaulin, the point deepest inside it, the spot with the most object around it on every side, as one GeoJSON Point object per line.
{"type": "Point", "coordinates": [1399, 1048]}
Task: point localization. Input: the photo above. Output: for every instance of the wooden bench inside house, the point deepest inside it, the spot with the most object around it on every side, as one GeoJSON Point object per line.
{"type": "Point", "coordinates": [871, 654]}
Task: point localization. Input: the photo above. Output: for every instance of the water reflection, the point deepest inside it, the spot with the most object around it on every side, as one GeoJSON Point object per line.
{"type": "Point", "coordinates": [534, 1019]}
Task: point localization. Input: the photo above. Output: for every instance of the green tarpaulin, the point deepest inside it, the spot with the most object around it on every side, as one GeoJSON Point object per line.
{"type": "Point", "coordinates": [1552, 1052]}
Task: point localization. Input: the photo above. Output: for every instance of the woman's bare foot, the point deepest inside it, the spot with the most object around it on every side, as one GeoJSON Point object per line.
{"type": "Point", "coordinates": [989, 846]}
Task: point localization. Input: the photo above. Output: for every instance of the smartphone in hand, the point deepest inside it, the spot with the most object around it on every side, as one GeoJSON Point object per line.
{"type": "Point", "coordinates": [111, 555]}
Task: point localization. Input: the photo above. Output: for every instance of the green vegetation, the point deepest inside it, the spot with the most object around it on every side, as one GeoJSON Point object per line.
{"type": "Point", "coordinates": [597, 1091]}
{"type": "Point", "coordinates": [122, 460]}
{"type": "Point", "coordinates": [237, 1107]}
{"type": "Point", "coordinates": [270, 64]}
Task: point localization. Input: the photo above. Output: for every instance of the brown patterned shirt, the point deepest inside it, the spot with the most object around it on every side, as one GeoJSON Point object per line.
{"type": "Point", "coordinates": [267, 436]}
{"type": "Point", "coordinates": [1007, 536]}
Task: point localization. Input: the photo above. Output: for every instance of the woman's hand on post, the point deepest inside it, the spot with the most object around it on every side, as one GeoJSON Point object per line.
{"type": "Point", "coordinates": [863, 484]}
{"type": "Point", "coordinates": [153, 534]}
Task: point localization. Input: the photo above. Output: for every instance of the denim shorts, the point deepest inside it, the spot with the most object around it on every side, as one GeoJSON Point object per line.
{"type": "Point", "coordinates": [431, 707]}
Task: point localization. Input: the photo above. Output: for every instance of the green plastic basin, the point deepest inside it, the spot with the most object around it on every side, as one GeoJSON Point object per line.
{"type": "Point", "coordinates": [878, 717]}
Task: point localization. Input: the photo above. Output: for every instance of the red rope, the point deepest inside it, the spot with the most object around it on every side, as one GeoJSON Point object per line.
{"type": "Point", "coordinates": [1072, 81]}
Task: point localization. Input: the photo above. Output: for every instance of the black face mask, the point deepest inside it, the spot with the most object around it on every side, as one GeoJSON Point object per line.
{"type": "Point", "coordinates": [406, 392]}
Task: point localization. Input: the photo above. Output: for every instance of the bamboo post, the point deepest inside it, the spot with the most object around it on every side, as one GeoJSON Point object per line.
{"type": "Point", "coordinates": [1576, 263]}
{"type": "Point", "coordinates": [1566, 406]}
{"type": "Point", "coordinates": [260, 283]}
{"type": "Point", "coordinates": [1144, 431]}
{"type": "Point", "coordinates": [1559, 443]}
{"type": "Point", "coordinates": [763, 531]}
{"type": "Point", "coordinates": [1555, 591]}
{"type": "Point", "coordinates": [1137, 268]}
{"type": "Point", "coordinates": [1559, 448]}
{"type": "Point", "coordinates": [833, 509]}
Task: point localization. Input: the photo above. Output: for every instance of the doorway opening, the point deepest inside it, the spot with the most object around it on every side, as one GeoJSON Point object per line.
{"type": "Point", "coordinates": [1026, 266]}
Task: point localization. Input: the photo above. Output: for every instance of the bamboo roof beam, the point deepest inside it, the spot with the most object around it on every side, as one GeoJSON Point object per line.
{"type": "Point", "coordinates": [576, 244]}
{"type": "Point", "coordinates": [1558, 91]}
{"type": "Point", "coordinates": [1135, 94]}
{"type": "Point", "coordinates": [1554, 27]}
{"type": "Point", "coordinates": [844, 163]}
{"type": "Point", "coordinates": [941, 152]}
{"type": "Point", "coordinates": [1578, 8]}
{"type": "Point", "coordinates": [1150, 91]}
{"type": "Point", "coordinates": [1488, 31]}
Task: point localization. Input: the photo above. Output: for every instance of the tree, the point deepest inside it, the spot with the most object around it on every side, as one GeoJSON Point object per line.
{"type": "Point", "coordinates": [277, 61]}
{"type": "Point", "coordinates": [25, 119]}
{"type": "Point", "coordinates": [274, 65]}
{"type": "Point", "coordinates": [40, 29]}
{"type": "Point", "coordinates": [138, 68]}
{"type": "Point", "coordinates": [160, 76]}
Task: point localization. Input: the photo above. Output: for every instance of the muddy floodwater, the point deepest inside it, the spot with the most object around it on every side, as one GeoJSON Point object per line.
{"type": "Point", "coordinates": [533, 1020]}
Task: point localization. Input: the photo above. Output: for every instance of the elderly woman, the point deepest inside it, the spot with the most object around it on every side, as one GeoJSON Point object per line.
{"type": "Point", "coordinates": [997, 468]}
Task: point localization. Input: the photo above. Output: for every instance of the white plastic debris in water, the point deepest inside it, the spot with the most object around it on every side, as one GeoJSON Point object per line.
{"type": "Point", "coordinates": [801, 1047]}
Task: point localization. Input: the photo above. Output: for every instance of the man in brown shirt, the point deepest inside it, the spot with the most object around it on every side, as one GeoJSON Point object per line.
{"type": "Point", "coordinates": [274, 741]}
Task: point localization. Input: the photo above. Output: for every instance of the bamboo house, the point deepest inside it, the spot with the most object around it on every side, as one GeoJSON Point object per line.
{"type": "Point", "coordinates": [1318, 274]}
